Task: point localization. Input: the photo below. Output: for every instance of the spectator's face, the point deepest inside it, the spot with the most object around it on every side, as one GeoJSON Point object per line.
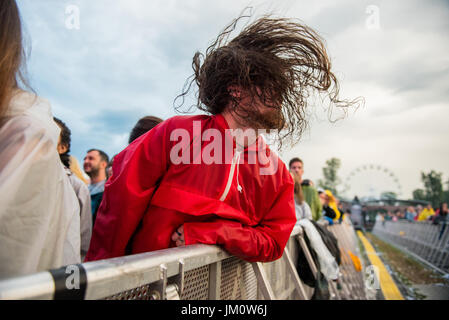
{"type": "Point", "coordinates": [297, 168]}
{"type": "Point", "coordinates": [444, 206]}
{"type": "Point", "coordinates": [324, 198]}
{"type": "Point", "coordinates": [93, 163]}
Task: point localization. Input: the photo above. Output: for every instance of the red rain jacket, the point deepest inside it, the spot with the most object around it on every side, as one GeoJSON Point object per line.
{"type": "Point", "coordinates": [148, 197]}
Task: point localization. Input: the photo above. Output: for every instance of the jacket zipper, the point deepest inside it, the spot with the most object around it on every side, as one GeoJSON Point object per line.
{"type": "Point", "coordinates": [231, 175]}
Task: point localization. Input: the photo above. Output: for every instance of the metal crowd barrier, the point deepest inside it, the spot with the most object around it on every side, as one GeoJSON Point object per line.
{"type": "Point", "coordinates": [196, 272]}
{"type": "Point", "coordinates": [424, 240]}
{"type": "Point", "coordinates": [353, 283]}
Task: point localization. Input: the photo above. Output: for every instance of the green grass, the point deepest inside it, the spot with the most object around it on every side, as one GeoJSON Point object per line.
{"type": "Point", "coordinates": [409, 270]}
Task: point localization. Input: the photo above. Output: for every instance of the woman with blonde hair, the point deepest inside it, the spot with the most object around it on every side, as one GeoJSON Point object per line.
{"type": "Point", "coordinates": [76, 169]}
{"type": "Point", "coordinates": [39, 221]}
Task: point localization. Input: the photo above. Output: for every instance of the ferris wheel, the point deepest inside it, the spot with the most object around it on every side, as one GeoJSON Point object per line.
{"type": "Point", "coordinates": [370, 181]}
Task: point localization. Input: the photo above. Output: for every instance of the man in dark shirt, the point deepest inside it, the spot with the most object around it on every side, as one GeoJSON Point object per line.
{"type": "Point", "coordinates": [95, 163]}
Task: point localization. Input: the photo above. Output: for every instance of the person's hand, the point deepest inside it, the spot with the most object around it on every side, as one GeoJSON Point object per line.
{"type": "Point", "coordinates": [178, 236]}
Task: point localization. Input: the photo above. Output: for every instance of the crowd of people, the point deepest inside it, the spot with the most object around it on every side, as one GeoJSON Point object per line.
{"type": "Point", "coordinates": [418, 214]}
{"type": "Point", "coordinates": [175, 184]}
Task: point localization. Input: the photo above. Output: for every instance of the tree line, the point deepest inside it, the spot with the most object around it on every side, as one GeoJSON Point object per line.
{"type": "Point", "coordinates": [433, 189]}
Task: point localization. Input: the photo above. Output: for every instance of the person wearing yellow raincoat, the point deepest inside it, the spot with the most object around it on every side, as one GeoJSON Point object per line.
{"type": "Point", "coordinates": [329, 204]}
{"type": "Point", "coordinates": [333, 203]}
{"type": "Point", "coordinates": [426, 213]}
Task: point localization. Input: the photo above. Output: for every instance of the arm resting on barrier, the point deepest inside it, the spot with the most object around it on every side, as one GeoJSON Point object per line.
{"type": "Point", "coordinates": [263, 242]}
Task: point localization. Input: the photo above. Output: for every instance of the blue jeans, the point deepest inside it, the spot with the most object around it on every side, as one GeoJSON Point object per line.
{"type": "Point", "coordinates": [331, 222]}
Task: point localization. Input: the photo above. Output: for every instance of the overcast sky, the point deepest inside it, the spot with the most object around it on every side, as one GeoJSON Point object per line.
{"type": "Point", "coordinates": [130, 58]}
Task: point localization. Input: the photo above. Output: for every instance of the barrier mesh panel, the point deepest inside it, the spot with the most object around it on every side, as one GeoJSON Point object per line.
{"type": "Point", "coordinates": [429, 242]}
{"type": "Point", "coordinates": [238, 280]}
{"type": "Point", "coordinates": [196, 284]}
{"type": "Point", "coordinates": [280, 279]}
{"type": "Point", "coordinates": [352, 282]}
{"type": "Point", "coordinates": [196, 288]}
{"type": "Point", "coordinates": [292, 246]}
{"type": "Point", "coordinates": [140, 293]}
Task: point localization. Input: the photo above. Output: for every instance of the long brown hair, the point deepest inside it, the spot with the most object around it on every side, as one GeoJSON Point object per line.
{"type": "Point", "coordinates": [12, 53]}
{"type": "Point", "coordinates": [278, 61]}
{"type": "Point", "coordinates": [298, 193]}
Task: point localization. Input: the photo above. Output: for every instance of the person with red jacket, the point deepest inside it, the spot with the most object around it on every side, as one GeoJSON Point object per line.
{"type": "Point", "coordinates": [213, 179]}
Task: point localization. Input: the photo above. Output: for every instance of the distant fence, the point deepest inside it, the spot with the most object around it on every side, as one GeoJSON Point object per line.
{"type": "Point", "coordinates": [196, 272]}
{"type": "Point", "coordinates": [427, 241]}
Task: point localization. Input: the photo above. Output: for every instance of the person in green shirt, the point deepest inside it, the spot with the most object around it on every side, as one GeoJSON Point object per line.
{"type": "Point", "coordinates": [296, 166]}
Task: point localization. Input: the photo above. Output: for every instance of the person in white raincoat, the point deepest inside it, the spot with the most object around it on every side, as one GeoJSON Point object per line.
{"type": "Point", "coordinates": [39, 220]}
{"type": "Point", "coordinates": [328, 264]}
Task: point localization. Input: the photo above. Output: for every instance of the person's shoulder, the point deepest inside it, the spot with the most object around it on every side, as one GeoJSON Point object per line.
{"type": "Point", "coordinates": [282, 170]}
{"type": "Point", "coordinates": [24, 129]}
{"type": "Point", "coordinates": [31, 114]}
{"type": "Point", "coordinates": [78, 185]}
{"type": "Point", "coordinates": [27, 103]}
{"type": "Point", "coordinates": [27, 145]}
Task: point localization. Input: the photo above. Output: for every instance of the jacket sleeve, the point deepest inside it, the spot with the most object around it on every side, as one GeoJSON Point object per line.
{"type": "Point", "coordinates": [264, 242]}
{"type": "Point", "coordinates": [127, 194]}
{"type": "Point", "coordinates": [318, 206]}
{"type": "Point", "coordinates": [314, 202]}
